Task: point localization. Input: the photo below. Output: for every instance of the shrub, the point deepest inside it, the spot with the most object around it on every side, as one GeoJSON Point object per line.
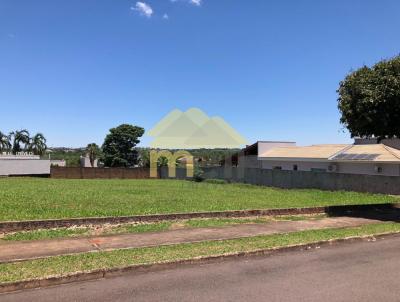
{"type": "Point", "coordinates": [198, 174]}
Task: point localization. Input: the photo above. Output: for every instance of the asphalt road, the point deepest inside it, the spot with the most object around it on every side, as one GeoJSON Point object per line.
{"type": "Point", "coordinates": [364, 271]}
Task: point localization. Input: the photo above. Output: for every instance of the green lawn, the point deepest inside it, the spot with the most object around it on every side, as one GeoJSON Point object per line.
{"type": "Point", "coordinates": [35, 198]}
{"type": "Point", "coordinates": [62, 265]}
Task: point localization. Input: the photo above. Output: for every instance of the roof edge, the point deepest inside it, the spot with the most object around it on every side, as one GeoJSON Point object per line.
{"type": "Point", "coordinates": [275, 142]}
{"type": "Point", "coordinates": [312, 159]}
{"type": "Point", "coordinates": [390, 151]}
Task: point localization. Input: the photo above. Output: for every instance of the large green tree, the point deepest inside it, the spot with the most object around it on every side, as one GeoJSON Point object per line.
{"type": "Point", "coordinates": [369, 100]}
{"type": "Point", "coordinates": [119, 146]}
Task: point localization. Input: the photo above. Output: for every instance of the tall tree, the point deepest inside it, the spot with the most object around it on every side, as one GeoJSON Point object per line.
{"type": "Point", "coordinates": [5, 144]}
{"type": "Point", "coordinates": [369, 100]}
{"type": "Point", "coordinates": [93, 151]}
{"type": "Point", "coordinates": [37, 144]}
{"type": "Point", "coordinates": [19, 137]}
{"type": "Point", "coordinates": [119, 146]}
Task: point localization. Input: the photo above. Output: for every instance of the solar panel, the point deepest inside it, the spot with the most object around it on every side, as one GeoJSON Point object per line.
{"type": "Point", "coordinates": [355, 156]}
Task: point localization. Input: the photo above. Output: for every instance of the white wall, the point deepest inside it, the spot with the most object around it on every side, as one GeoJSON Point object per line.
{"type": "Point", "coordinates": [24, 167]}
{"type": "Point", "coordinates": [301, 165]}
{"type": "Point", "coordinates": [85, 162]}
{"type": "Point", "coordinates": [349, 168]}
{"type": "Point", "coordinates": [369, 168]}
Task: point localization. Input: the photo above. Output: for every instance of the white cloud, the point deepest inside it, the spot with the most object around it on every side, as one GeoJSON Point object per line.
{"type": "Point", "coordinates": [143, 8]}
{"type": "Point", "coordinates": [194, 2]}
{"type": "Point", "coordinates": [165, 16]}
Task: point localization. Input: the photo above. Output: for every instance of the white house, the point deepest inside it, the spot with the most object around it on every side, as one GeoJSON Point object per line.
{"type": "Point", "coordinates": [371, 159]}
{"type": "Point", "coordinates": [249, 156]}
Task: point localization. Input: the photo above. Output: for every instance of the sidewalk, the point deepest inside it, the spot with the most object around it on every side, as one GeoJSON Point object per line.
{"type": "Point", "coordinates": [25, 250]}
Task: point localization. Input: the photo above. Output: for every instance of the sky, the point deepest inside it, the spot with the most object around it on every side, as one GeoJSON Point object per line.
{"type": "Point", "coordinates": [74, 69]}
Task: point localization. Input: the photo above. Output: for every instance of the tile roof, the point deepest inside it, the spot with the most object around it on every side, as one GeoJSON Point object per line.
{"type": "Point", "coordinates": [308, 152]}
{"type": "Point", "coordinates": [331, 152]}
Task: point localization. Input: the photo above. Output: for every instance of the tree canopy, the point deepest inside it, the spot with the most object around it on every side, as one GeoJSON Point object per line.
{"type": "Point", "coordinates": [20, 140]}
{"type": "Point", "coordinates": [19, 137]}
{"type": "Point", "coordinates": [37, 144]}
{"type": "Point", "coordinates": [369, 100]}
{"type": "Point", "coordinates": [119, 146]}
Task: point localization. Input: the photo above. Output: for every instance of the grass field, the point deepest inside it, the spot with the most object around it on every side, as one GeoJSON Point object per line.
{"type": "Point", "coordinates": [35, 198]}
{"type": "Point", "coordinates": [62, 265]}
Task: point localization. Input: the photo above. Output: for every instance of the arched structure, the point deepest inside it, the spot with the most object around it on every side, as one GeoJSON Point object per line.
{"type": "Point", "coordinates": [171, 157]}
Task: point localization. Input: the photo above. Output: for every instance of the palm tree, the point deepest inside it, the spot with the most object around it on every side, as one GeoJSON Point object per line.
{"type": "Point", "coordinates": [93, 152]}
{"type": "Point", "coordinates": [37, 144]}
{"type": "Point", "coordinates": [18, 137]}
{"type": "Point", "coordinates": [5, 144]}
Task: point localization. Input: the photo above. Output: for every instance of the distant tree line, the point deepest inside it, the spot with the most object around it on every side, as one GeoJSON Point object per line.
{"type": "Point", "coordinates": [119, 149]}
{"type": "Point", "coordinates": [70, 155]}
{"type": "Point", "coordinates": [21, 141]}
{"type": "Point", "coordinates": [203, 157]}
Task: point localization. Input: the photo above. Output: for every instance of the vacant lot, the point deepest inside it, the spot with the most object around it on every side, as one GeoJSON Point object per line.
{"type": "Point", "coordinates": [35, 198]}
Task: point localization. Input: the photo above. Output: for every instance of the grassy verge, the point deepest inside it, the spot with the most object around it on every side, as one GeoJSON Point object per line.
{"type": "Point", "coordinates": [61, 265]}
{"type": "Point", "coordinates": [145, 227]}
{"type": "Point", "coordinates": [45, 234]}
{"type": "Point", "coordinates": [33, 198]}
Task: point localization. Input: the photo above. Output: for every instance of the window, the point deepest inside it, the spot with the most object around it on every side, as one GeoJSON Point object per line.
{"type": "Point", "coordinates": [277, 168]}
{"type": "Point", "coordinates": [295, 168]}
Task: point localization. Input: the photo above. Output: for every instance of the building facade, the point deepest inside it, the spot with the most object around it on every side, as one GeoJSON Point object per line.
{"type": "Point", "coordinates": [369, 159]}
{"type": "Point", "coordinates": [23, 163]}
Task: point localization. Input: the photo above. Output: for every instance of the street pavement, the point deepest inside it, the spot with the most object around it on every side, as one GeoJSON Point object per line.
{"type": "Point", "coordinates": [360, 271]}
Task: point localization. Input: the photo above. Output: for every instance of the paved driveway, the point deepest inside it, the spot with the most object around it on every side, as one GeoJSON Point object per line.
{"type": "Point", "coordinates": [364, 271]}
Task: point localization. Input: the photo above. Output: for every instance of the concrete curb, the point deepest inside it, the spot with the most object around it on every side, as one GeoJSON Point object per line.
{"type": "Point", "coordinates": [13, 226]}
{"type": "Point", "coordinates": [113, 272]}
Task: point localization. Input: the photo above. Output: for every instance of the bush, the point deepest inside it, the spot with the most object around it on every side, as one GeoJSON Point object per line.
{"type": "Point", "coordinates": [198, 174]}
